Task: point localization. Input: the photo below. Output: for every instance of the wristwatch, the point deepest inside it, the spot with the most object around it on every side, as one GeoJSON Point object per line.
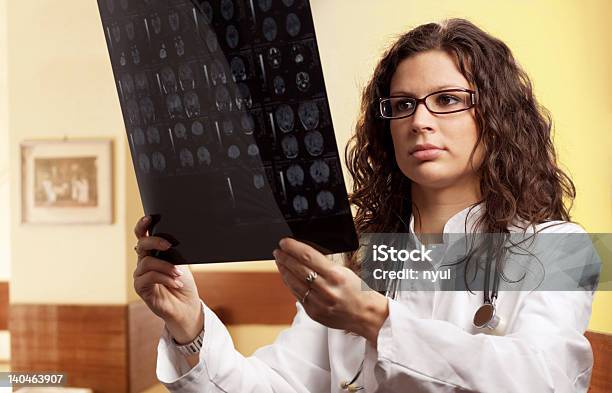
{"type": "Point", "coordinates": [190, 348]}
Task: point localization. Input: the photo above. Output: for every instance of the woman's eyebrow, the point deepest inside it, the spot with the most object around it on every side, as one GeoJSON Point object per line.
{"type": "Point", "coordinates": [437, 88]}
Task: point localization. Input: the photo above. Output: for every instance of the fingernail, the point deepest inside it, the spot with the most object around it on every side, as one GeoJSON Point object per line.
{"type": "Point", "coordinates": [282, 242]}
{"type": "Point", "coordinates": [146, 219]}
{"type": "Point", "coordinates": [179, 283]}
{"type": "Point", "coordinates": [178, 271]}
{"type": "Point", "coordinates": [274, 252]}
{"type": "Point", "coordinates": [165, 245]}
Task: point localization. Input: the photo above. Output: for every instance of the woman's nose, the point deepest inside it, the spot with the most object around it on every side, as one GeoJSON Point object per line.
{"type": "Point", "coordinates": [422, 119]}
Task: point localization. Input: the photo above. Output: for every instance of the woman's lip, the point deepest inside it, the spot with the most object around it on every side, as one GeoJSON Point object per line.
{"type": "Point", "coordinates": [427, 154]}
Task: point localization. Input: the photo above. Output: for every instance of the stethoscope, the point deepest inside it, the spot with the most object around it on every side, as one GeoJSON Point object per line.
{"type": "Point", "coordinates": [485, 317]}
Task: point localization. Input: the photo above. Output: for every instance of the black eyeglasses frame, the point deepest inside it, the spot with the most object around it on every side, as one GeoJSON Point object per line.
{"type": "Point", "coordinates": [418, 101]}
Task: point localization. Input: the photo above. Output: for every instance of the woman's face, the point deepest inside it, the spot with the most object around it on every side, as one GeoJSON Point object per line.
{"type": "Point", "coordinates": [454, 134]}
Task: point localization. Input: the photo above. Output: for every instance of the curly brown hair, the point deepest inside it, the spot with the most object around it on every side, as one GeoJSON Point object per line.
{"type": "Point", "coordinates": [519, 176]}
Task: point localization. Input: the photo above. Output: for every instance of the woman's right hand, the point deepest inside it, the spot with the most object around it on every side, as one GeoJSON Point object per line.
{"type": "Point", "coordinates": [168, 290]}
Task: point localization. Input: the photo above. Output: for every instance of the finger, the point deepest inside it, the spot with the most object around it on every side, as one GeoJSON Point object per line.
{"type": "Point", "coordinates": [142, 226]}
{"type": "Point", "coordinates": [154, 264]}
{"type": "Point", "coordinates": [296, 286]}
{"type": "Point", "coordinates": [149, 279]}
{"type": "Point", "coordinates": [151, 243]}
{"type": "Point", "coordinates": [306, 255]}
{"type": "Point", "coordinates": [297, 268]}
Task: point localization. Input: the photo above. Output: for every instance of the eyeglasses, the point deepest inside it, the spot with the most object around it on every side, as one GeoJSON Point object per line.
{"type": "Point", "coordinates": [439, 102]}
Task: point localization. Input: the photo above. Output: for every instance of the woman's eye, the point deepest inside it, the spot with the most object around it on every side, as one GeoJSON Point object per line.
{"type": "Point", "coordinates": [447, 99]}
{"type": "Point", "coordinates": [403, 105]}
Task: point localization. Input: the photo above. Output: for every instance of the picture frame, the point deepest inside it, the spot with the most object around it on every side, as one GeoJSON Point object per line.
{"type": "Point", "coordinates": [67, 181]}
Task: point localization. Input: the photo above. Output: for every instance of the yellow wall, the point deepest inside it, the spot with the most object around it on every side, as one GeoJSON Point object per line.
{"type": "Point", "coordinates": [61, 84]}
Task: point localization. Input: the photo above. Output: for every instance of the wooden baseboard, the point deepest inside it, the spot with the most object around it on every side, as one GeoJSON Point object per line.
{"type": "Point", "coordinates": [601, 379]}
{"type": "Point", "coordinates": [240, 298]}
{"type": "Point", "coordinates": [108, 348]}
{"type": "Point", "coordinates": [4, 305]}
{"type": "Point", "coordinates": [88, 343]}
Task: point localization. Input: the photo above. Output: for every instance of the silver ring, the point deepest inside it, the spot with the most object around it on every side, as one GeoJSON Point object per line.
{"type": "Point", "coordinates": [305, 296]}
{"type": "Point", "coordinates": [311, 277]}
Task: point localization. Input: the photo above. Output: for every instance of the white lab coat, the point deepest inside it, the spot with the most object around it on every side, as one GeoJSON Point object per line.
{"type": "Point", "coordinates": [427, 344]}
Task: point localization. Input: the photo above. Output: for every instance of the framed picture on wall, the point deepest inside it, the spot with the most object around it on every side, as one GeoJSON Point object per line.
{"type": "Point", "coordinates": [67, 181]}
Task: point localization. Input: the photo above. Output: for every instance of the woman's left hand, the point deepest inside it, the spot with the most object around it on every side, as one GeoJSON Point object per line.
{"type": "Point", "coordinates": [336, 298]}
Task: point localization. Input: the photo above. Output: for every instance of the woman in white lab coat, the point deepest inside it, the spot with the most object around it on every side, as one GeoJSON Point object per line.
{"type": "Point", "coordinates": [450, 140]}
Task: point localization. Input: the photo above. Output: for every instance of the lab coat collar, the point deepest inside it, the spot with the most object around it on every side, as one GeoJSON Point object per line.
{"type": "Point", "coordinates": [465, 219]}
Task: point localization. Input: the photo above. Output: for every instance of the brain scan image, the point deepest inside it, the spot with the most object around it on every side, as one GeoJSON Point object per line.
{"type": "Point", "coordinates": [147, 110]}
{"type": "Point", "coordinates": [179, 45]}
{"type": "Point", "coordinates": [159, 161]}
{"type": "Point", "coordinates": [298, 54]}
{"type": "Point", "coordinates": [274, 57]}
{"type": "Point", "coordinates": [116, 30]}
{"type": "Point", "coordinates": [197, 128]}
{"type": "Point", "coordinates": [142, 83]}
{"type": "Point", "coordinates": [207, 11]}
{"type": "Point", "coordinates": [186, 77]}
{"type": "Point", "coordinates": [127, 84]}
{"type": "Point", "coordinates": [211, 41]}
{"type": "Point", "coordinates": [203, 156]}
{"type": "Point", "coordinates": [238, 69]}
{"type": "Point", "coordinates": [319, 171]}
{"type": "Point", "coordinates": [227, 9]}
{"type": "Point", "coordinates": [243, 97]}
{"type": "Point", "coordinates": [247, 123]}
{"type": "Point", "coordinates": [237, 82]}
{"type": "Point", "coordinates": [233, 152]}
{"type": "Point", "coordinates": [174, 20]}
{"type": "Point", "coordinates": [130, 32]}
{"type": "Point", "coordinates": [110, 6]}
{"type": "Point", "coordinates": [290, 146]}
{"type": "Point", "coordinates": [139, 136]}
{"type": "Point", "coordinates": [163, 51]}
{"type": "Point", "coordinates": [302, 81]}
{"type": "Point", "coordinates": [180, 131]}
{"type": "Point", "coordinates": [295, 175]}
{"type": "Point", "coordinates": [135, 55]}
{"type": "Point", "coordinates": [186, 158]}
{"type": "Point", "coordinates": [285, 118]}
{"type": "Point", "coordinates": [232, 36]}
{"type": "Point", "coordinates": [314, 143]}
{"type": "Point", "coordinates": [174, 104]}
{"type": "Point", "coordinates": [325, 200]}
{"type": "Point", "coordinates": [217, 73]}
{"type": "Point", "coordinates": [168, 80]}
{"type": "Point", "coordinates": [264, 5]}
{"type": "Point", "coordinates": [253, 150]}
{"type": "Point", "coordinates": [192, 104]}
{"type": "Point", "coordinates": [144, 163]}
{"type": "Point", "coordinates": [153, 135]}
{"type": "Point", "coordinates": [228, 127]}
{"type": "Point", "coordinates": [156, 23]}
{"type": "Point", "coordinates": [293, 25]}
{"type": "Point", "coordinates": [279, 85]}
{"type": "Point", "coordinates": [259, 181]}
{"type": "Point", "coordinates": [133, 112]}
{"type": "Point", "coordinates": [270, 30]}
{"type": "Point", "coordinates": [300, 204]}
{"type": "Point", "coordinates": [223, 99]}
{"type": "Point", "coordinates": [308, 113]}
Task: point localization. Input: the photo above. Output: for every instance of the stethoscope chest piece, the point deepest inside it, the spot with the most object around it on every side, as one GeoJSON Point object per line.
{"type": "Point", "coordinates": [485, 317]}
